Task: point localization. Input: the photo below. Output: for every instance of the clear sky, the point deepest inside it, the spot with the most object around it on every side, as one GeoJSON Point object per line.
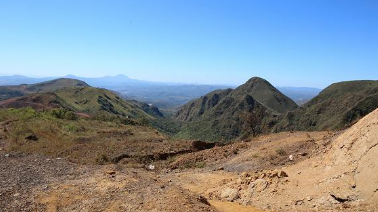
{"type": "Point", "coordinates": [288, 42]}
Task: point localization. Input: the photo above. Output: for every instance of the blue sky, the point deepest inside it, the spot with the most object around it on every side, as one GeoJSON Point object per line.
{"type": "Point", "coordinates": [292, 42]}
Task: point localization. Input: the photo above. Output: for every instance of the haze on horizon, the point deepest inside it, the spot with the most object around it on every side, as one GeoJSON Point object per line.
{"type": "Point", "coordinates": [289, 43]}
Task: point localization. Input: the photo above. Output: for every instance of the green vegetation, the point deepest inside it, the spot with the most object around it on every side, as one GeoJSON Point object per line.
{"type": "Point", "coordinates": [102, 159]}
{"type": "Point", "coordinates": [7, 92]}
{"type": "Point", "coordinates": [100, 102]}
{"type": "Point", "coordinates": [81, 140]}
{"type": "Point", "coordinates": [63, 114]}
{"type": "Point", "coordinates": [200, 165]}
{"type": "Point", "coordinates": [74, 97]}
{"type": "Point", "coordinates": [250, 110]}
{"type": "Point", "coordinates": [224, 115]}
{"type": "Point", "coordinates": [336, 107]}
{"type": "Point", "coordinates": [280, 152]}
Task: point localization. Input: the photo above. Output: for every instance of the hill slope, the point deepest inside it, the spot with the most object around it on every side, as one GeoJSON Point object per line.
{"type": "Point", "coordinates": [88, 100]}
{"type": "Point", "coordinates": [336, 107]}
{"type": "Point", "coordinates": [73, 95]}
{"type": "Point", "coordinates": [7, 92]}
{"type": "Point", "coordinates": [36, 101]}
{"type": "Point", "coordinates": [98, 101]}
{"type": "Point", "coordinates": [227, 114]}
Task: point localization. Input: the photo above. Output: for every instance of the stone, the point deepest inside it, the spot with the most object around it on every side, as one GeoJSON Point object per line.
{"type": "Point", "coordinates": [262, 175]}
{"type": "Point", "coordinates": [282, 174]}
{"type": "Point", "coordinates": [291, 157]}
{"type": "Point", "coordinates": [31, 137]}
{"type": "Point", "coordinates": [229, 194]}
{"type": "Point", "coordinates": [110, 172]}
{"type": "Point", "coordinates": [244, 175]}
{"type": "Point", "coordinates": [258, 185]}
{"type": "Point", "coordinates": [274, 174]}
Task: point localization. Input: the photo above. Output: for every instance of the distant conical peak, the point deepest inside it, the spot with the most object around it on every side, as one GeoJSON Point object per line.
{"type": "Point", "coordinates": [256, 80]}
{"type": "Point", "coordinates": [121, 75]}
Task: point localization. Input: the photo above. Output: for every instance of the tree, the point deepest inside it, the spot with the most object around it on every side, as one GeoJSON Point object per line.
{"type": "Point", "coordinates": [251, 120]}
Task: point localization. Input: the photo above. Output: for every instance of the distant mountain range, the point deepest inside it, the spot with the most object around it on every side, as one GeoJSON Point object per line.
{"type": "Point", "coordinates": [300, 95]}
{"type": "Point", "coordinates": [167, 96]}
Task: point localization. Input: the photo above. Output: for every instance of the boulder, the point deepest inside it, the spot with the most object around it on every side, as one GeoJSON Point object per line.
{"type": "Point", "coordinates": [282, 174]}
{"type": "Point", "coordinates": [229, 194]}
{"type": "Point", "coordinates": [258, 185]}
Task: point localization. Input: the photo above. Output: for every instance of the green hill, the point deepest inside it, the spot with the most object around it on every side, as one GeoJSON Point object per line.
{"type": "Point", "coordinates": [88, 100]}
{"type": "Point", "coordinates": [97, 101]}
{"type": "Point", "coordinates": [227, 114]}
{"type": "Point", "coordinates": [56, 84]}
{"type": "Point", "coordinates": [77, 96]}
{"type": "Point", "coordinates": [7, 92]}
{"type": "Point", "coordinates": [336, 107]}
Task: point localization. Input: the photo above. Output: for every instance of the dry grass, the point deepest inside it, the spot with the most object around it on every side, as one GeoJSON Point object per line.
{"type": "Point", "coordinates": [81, 141]}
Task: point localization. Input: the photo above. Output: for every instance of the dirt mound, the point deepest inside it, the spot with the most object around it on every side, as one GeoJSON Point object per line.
{"type": "Point", "coordinates": [262, 153]}
{"type": "Point", "coordinates": [345, 177]}
{"type": "Point", "coordinates": [356, 151]}
{"type": "Point", "coordinates": [340, 174]}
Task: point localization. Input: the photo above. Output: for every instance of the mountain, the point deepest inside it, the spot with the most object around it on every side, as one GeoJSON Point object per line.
{"type": "Point", "coordinates": [336, 107]}
{"type": "Point", "coordinates": [110, 82]}
{"type": "Point", "coordinates": [53, 85]}
{"type": "Point", "coordinates": [77, 96]}
{"type": "Point", "coordinates": [230, 113]}
{"type": "Point", "coordinates": [97, 101]}
{"type": "Point", "coordinates": [96, 82]}
{"type": "Point", "coordinates": [36, 101]}
{"type": "Point", "coordinates": [166, 96]}
{"type": "Point", "coordinates": [18, 79]}
{"type": "Point", "coordinates": [12, 91]}
{"type": "Point", "coordinates": [300, 95]}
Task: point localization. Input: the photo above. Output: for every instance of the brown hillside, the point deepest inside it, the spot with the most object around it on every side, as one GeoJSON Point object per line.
{"type": "Point", "coordinates": [35, 101]}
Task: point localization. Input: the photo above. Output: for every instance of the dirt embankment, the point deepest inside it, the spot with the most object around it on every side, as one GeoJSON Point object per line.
{"type": "Point", "coordinates": [342, 176]}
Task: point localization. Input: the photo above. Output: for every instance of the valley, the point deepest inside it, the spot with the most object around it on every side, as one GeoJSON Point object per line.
{"type": "Point", "coordinates": [189, 106]}
{"type": "Point", "coordinates": [67, 146]}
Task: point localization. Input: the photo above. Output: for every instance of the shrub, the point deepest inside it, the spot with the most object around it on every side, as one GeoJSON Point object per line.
{"type": "Point", "coordinates": [72, 128]}
{"type": "Point", "coordinates": [102, 159]}
{"type": "Point", "coordinates": [143, 121]}
{"type": "Point", "coordinates": [200, 165]}
{"type": "Point", "coordinates": [63, 114]}
{"type": "Point", "coordinates": [280, 152]}
{"type": "Point", "coordinates": [24, 113]}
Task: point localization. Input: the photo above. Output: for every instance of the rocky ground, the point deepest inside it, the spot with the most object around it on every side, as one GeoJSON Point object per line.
{"type": "Point", "coordinates": [299, 171]}
{"type": "Point", "coordinates": [35, 183]}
